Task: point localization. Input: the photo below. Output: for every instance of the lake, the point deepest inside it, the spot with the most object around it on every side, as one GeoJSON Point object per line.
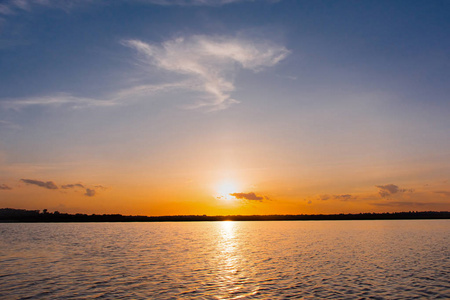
{"type": "Point", "coordinates": [385, 259]}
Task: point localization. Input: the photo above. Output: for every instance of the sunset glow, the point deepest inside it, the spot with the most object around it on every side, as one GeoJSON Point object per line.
{"type": "Point", "coordinates": [225, 189]}
{"type": "Point", "coordinates": [224, 107]}
{"type": "Point", "coordinates": [224, 149]}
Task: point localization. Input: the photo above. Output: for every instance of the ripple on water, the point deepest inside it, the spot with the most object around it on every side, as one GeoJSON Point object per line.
{"type": "Point", "coordinates": [226, 260]}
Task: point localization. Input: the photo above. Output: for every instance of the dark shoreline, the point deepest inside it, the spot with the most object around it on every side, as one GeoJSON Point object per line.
{"type": "Point", "coordinates": [9, 215]}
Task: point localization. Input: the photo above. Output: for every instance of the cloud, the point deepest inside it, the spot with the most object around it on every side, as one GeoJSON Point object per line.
{"type": "Point", "coordinates": [324, 197]}
{"type": "Point", "coordinates": [90, 192]}
{"type": "Point", "coordinates": [206, 64]}
{"type": "Point", "coordinates": [100, 187]}
{"type": "Point", "coordinates": [390, 189]}
{"type": "Point", "coordinates": [443, 193]}
{"type": "Point", "coordinates": [58, 99]}
{"type": "Point", "coordinates": [64, 99]}
{"type": "Point", "coordinates": [13, 7]}
{"type": "Point", "coordinates": [405, 203]}
{"type": "Point", "coordinates": [343, 197]}
{"type": "Point", "coordinates": [70, 186]}
{"type": "Point", "coordinates": [8, 125]}
{"type": "Point", "coordinates": [193, 2]}
{"type": "Point", "coordinates": [48, 185]}
{"type": "Point", "coordinates": [5, 187]}
{"type": "Point", "coordinates": [247, 196]}
{"type": "Point", "coordinates": [5, 9]}
{"type": "Point", "coordinates": [209, 63]}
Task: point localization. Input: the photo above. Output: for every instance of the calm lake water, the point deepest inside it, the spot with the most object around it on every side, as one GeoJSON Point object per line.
{"type": "Point", "coordinates": [227, 260]}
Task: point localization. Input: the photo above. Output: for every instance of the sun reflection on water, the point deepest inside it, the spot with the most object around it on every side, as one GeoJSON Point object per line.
{"type": "Point", "coordinates": [232, 274]}
{"type": "Point", "coordinates": [228, 245]}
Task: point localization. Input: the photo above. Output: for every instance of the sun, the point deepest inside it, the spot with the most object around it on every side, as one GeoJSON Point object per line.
{"type": "Point", "coordinates": [225, 188]}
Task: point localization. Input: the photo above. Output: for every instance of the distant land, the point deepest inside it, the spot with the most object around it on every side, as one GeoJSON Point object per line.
{"type": "Point", "coordinates": [11, 215]}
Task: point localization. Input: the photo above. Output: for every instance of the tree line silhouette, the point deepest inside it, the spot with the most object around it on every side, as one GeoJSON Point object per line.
{"type": "Point", "coordinates": [23, 215]}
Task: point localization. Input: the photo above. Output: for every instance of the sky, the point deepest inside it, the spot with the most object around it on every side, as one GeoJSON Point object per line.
{"type": "Point", "coordinates": [192, 107]}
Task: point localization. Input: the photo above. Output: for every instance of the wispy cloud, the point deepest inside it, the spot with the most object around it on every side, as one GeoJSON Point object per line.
{"type": "Point", "coordinates": [100, 187]}
{"type": "Point", "coordinates": [344, 197]}
{"type": "Point", "coordinates": [443, 193]}
{"type": "Point", "coordinates": [8, 125]}
{"type": "Point", "coordinates": [120, 97]}
{"type": "Point", "coordinates": [90, 192]}
{"type": "Point", "coordinates": [71, 186]}
{"type": "Point", "coordinates": [6, 9]}
{"type": "Point", "coordinates": [248, 196]}
{"type": "Point", "coordinates": [58, 99]}
{"type": "Point", "coordinates": [209, 63]}
{"type": "Point", "coordinates": [390, 189]}
{"type": "Point", "coordinates": [12, 7]}
{"type": "Point", "coordinates": [194, 2]}
{"type": "Point", "coordinates": [324, 197]}
{"type": "Point", "coordinates": [45, 184]}
{"type": "Point", "coordinates": [341, 197]}
{"type": "Point", "coordinates": [5, 187]}
{"type": "Point", "coordinates": [404, 203]}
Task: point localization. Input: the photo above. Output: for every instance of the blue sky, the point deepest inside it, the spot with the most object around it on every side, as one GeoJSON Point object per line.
{"type": "Point", "coordinates": [289, 99]}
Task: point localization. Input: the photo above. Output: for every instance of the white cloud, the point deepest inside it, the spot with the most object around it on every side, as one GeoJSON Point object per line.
{"type": "Point", "coordinates": [55, 100]}
{"type": "Point", "coordinates": [145, 90]}
{"type": "Point", "coordinates": [200, 2]}
{"type": "Point", "coordinates": [5, 9]}
{"type": "Point", "coordinates": [206, 64]}
{"type": "Point", "coordinates": [210, 63]}
{"type": "Point", "coordinates": [192, 2]}
{"type": "Point", "coordinates": [13, 6]}
{"type": "Point", "coordinates": [9, 125]}
{"type": "Point", "coordinates": [120, 97]}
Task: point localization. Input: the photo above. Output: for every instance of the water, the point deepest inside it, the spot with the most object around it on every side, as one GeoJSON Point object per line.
{"type": "Point", "coordinates": [226, 260]}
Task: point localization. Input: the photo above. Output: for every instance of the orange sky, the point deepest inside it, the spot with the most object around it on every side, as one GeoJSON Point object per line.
{"type": "Point", "coordinates": [224, 107]}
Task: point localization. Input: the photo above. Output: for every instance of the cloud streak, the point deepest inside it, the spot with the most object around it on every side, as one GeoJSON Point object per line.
{"type": "Point", "coordinates": [248, 196]}
{"type": "Point", "coordinates": [90, 192]}
{"type": "Point", "coordinates": [405, 204]}
{"type": "Point", "coordinates": [58, 99]}
{"type": "Point", "coordinates": [193, 2]}
{"type": "Point", "coordinates": [206, 65]}
{"type": "Point", "coordinates": [71, 186]}
{"type": "Point", "coordinates": [5, 187]}
{"type": "Point", "coordinates": [391, 189]}
{"type": "Point", "coordinates": [8, 125]}
{"type": "Point", "coordinates": [209, 63]}
{"type": "Point", "coordinates": [120, 97]}
{"type": "Point", "coordinates": [13, 7]}
{"type": "Point", "coordinates": [443, 193]}
{"type": "Point", "coordinates": [343, 197]}
{"type": "Point", "coordinates": [47, 185]}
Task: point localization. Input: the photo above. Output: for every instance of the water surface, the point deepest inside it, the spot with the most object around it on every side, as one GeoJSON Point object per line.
{"type": "Point", "coordinates": [402, 259]}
